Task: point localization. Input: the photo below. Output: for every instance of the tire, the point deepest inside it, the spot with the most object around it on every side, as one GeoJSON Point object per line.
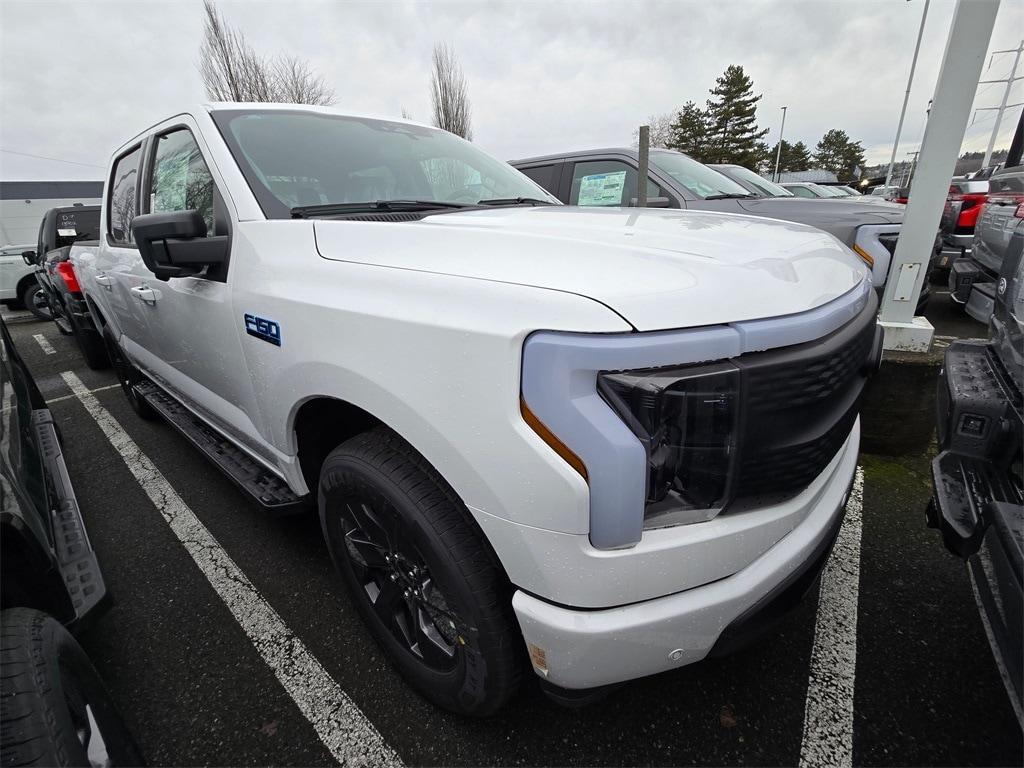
{"type": "Point", "coordinates": [33, 298]}
{"type": "Point", "coordinates": [128, 376]}
{"type": "Point", "coordinates": [54, 708]}
{"type": "Point", "coordinates": [91, 344]}
{"type": "Point", "coordinates": [393, 526]}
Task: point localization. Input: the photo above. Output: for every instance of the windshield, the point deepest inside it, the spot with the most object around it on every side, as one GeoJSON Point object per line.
{"type": "Point", "coordinates": [74, 225]}
{"type": "Point", "coordinates": [696, 177]}
{"type": "Point", "coordinates": [760, 183]}
{"type": "Point", "coordinates": [299, 158]}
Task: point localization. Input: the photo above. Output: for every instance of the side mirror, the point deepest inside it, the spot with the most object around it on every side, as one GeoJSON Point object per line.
{"type": "Point", "coordinates": [29, 257]}
{"type": "Point", "coordinates": [653, 202]}
{"type": "Point", "coordinates": [175, 244]}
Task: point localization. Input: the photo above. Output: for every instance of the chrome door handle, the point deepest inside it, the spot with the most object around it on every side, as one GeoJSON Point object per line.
{"type": "Point", "coordinates": [144, 293]}
{"type": "Point", "coordinates": [102, 278]}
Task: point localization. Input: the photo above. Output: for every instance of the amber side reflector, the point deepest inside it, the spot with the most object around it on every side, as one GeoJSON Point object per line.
{"type": "Point", "coordinates": [868, 258]}
{"type": "Point", "coordinates": [549, 437]}
{"type": "Point", "coordinates": [539, 657]}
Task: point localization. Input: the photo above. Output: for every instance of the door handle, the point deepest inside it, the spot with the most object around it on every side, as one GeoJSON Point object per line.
{"type": "Point", "coordinates": [102, 278]}
{"type": "Point", "coordinates": [145, 294]}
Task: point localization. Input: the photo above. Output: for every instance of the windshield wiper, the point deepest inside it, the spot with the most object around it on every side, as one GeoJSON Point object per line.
{"type": "Point", "coordinates": [515, 201]}
{"type": "Point", "coordinates": [334, 209]}
{"type": "Point", "coordinates": [730, 196]}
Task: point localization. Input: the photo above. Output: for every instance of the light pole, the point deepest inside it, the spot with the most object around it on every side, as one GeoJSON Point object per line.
{"type": "Point", "coordinates": [906, 96]}
{"type": "Point", "coordinates": [778, 151]}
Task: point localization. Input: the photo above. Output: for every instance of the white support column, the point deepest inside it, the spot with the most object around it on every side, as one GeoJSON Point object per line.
{"type": "Point", "coordinates": [969, 35]}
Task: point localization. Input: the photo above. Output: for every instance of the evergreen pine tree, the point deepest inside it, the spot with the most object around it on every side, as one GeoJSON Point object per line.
{"type": "Point", "coordinates": [689, 132]}
{"type": "Point", "coordinates": [732, 122]}
{"type": "Point", "coordinates": [799, 157]}
{"type": "Point", "coordinates": [837, 153]}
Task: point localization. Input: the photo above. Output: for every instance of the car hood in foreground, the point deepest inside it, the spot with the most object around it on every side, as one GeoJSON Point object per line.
{"type": "Point", "coordinates": [659, 269]}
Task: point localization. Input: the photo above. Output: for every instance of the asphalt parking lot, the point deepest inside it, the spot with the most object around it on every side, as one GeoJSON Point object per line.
{"type": "Point", "coordinates": [894, 647]}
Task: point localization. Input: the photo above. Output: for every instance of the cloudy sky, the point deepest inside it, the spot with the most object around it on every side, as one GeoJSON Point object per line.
{"type": "Point", "coordinates": [78, 78]}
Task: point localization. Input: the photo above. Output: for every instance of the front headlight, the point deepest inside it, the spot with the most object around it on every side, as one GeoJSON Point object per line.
{"type": "Point", "coordinates": [685, 417]}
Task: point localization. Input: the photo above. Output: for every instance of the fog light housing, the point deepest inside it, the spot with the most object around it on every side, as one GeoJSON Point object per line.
{"type": "Point", "coordinates": [686, 419]}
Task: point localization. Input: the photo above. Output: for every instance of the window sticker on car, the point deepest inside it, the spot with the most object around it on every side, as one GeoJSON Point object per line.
{"type": "Point", "coordinates": [66, 233]}
{"type": "Point", "coordinates": [264, 329]}
{"type": "Point", "coordinates": [602, 188]}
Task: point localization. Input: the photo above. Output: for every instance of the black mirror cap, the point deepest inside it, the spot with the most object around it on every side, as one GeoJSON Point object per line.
{"type": "Point", "coordinates": [175, 244]}
{"type": "Point", "coordinates": [148, 227]}
{"type": "Point", "coordinates": [29, 257]}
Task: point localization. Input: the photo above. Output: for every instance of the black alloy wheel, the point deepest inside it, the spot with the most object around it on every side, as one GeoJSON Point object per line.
{"type": "Point", "coordinates": [397, 582]}
{"type": "Point", "coordinates": [421, 574]}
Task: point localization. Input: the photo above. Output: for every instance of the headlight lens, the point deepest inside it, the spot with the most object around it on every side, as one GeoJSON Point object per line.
{"type": "Point", "coordinates": [686, 419]}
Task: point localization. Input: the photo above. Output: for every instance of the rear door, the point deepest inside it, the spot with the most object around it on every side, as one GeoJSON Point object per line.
{"type": "Point", "coordinates": [196, 350]}
{"type": "Point", "coordinates": [117, 273]}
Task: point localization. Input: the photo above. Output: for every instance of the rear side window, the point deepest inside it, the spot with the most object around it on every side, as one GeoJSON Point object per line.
{"type": "Point", "coordinates": [181, 178]}
{"type": "Point", "coordinates": [124, 183]}
{"type": "Point", "coordinates": [543, 175]}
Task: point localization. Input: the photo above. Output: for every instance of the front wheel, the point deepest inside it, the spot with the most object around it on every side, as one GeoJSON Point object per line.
{"type": "Point", "coordinates": [54, 707]}
{"type": "Point", "coordinates": [420, 573]}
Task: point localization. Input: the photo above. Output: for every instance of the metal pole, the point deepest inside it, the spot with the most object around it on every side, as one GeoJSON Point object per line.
{"type": "Point", "coordinates": [641, 177]}
{"type": "Point", "coordinates": [1002, 107]}
{"type": "Point", "coordinates": [906, 96]}
{"type": "Point", "coordinates": [778, 152]}
{"type": "Point", "coordinates": [969, 36]}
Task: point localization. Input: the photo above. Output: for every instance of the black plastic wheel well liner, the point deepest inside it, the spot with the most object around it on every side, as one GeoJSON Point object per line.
{"type": "Point", "coordinates": [321, 425]}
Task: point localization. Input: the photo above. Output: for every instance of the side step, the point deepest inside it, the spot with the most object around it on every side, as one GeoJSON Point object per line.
{"type": "Point", "coordinates": [75, 556]}
{"type": "Point", "coordinates": [266, 489]}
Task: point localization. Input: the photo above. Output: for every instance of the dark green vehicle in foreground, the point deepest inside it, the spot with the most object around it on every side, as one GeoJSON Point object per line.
{"type": "Point", "coordinates": [54, 710]}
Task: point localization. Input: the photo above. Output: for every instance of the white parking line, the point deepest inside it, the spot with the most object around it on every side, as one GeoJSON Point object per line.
{"type": "Point", "coordinates": [828, 714]}
{"type": "Point", "coordinates": [344, 730]}
{"type": "Point", "coordinates": [47, 346]}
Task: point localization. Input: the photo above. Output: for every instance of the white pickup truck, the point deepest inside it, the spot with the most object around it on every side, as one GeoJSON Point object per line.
{"type": "Point", "coordinates": [601, 443]}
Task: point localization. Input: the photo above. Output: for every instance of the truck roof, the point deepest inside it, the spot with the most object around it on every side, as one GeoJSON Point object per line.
{"type": "Point", "coordinates": [223, 106]}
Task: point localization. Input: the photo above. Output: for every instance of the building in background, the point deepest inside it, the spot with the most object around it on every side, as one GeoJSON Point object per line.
{"type": "Point", "coordinates": [23, 203]}
{"type": "Point", "coordinates": [813, 174]}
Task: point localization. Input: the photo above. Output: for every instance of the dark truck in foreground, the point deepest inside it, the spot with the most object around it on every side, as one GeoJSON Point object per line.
{"type": "Point", "coordinates": [978, 475]}
{"type": "Point", "coordinates": [54, 710]}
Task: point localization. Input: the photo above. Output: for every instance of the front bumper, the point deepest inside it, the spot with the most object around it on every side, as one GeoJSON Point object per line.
{"type": "Point", "coordinates": [579, 649]}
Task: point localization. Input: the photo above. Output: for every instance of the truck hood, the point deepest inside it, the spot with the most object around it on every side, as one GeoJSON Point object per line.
{"type": "Point", "coordinates": [836, 210]}
{"type": "Point", "coordinates": [658, 269]}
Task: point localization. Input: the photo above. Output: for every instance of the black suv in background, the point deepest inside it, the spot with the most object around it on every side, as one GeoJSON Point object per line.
{"type": "Point", "coordinates": [54, 710]}
{"type": "Point", "coordinates": [978, 474]}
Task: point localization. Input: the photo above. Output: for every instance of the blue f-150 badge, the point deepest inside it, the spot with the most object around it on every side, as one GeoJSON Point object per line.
{"type": "Point", "coordinates": [264, 329]}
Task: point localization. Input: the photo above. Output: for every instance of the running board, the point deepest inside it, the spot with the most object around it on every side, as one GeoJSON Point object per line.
{"type": "Point", "coordinates": [263, 486]}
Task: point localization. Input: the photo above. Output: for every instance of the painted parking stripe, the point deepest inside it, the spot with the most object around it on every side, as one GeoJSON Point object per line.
{"type": "Point", "coordinates": [828, 713]}
{"type": "Point", "coordinates": [46, 345]}
{"type": "Point", "coordinates": [341, 726]}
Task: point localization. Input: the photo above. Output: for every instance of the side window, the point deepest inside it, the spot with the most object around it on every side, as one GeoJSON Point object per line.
{"type": "Point", "coordinates": [543, 175]}
{"type": "Point", "coordinates": [124, 182]}
{"type": "Point", "coordinates": [607, 183]}
{"type": "Point", "coordinates": [181, 178]}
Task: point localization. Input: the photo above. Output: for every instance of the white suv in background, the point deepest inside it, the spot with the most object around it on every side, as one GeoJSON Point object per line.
{"type": "Point", "coordinates": [598, 443]}
{"type": "Point", "coordinates": [18, 284]}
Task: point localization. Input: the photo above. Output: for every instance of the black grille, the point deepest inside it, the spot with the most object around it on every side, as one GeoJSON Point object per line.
{"type": "Point", "coordinates": [800, 403]}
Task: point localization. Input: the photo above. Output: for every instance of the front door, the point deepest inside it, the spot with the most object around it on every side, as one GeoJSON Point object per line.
{"type": "Point", "coordinates": [197, 354]}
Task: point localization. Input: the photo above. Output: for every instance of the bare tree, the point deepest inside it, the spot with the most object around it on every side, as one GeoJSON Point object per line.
{"type": "Point", "coordinates": [449, 94]}
{"type": "Point", "coordinates": [661, 130]}
{"type": "Point", "coordinates": [233, 71]}
{"type": "Point", "coordinates": [298, 84]}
